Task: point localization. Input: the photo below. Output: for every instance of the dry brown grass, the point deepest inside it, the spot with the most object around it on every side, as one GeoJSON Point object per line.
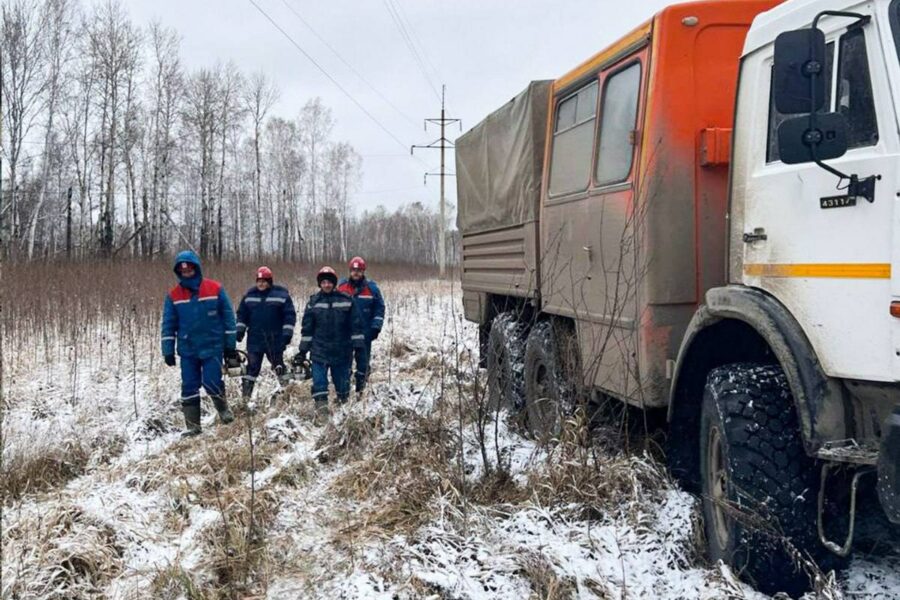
{"type": "Point", "coordinates": [545, 583]}
{"type": "Point", "coordinates": [400, 476]}
{"type": "Point", "coordinates": [579, 471]}
{"type": "Point", "coordinates": [295, 474]}
{"type": "Point", "coordinates": [174, 583]}
{"type": "Point", "coordinates": [399, 348]}
{"type": "Point", "coordinates": [236, 545]}
{"type": "Point", "coordinates": [85, 304]}
{"type": "Point", "coordinates": [496, 487]}
{"type": "Point", "coordinates": [427, 362]}
{"type": "Point", "coordinates": [33, 473]}
{"type": "Point", "coordinates": [217, 477]}
{"type": "Point", "coordinates": [72, 555]}
{"type": "Point", "coordinates": [350, 438]}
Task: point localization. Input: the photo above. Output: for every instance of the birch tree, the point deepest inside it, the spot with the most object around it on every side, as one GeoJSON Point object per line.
{"type": "Point", "coordinates": [166, 96]}
{"type": "Point", "coordinates": [259, 98]}
{"type": "Point", "coordinates": [23, 59]}
{"type": "Point", "coordinates": [115, 45]}
{"type": "Point", "coordinates": [55, 42]}
{"type": "Point", "coordinates": [316, 124]}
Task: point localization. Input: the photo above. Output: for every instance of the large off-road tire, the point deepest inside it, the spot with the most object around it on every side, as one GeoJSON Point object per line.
{"type": "Point", "coordinates": [549, 388]}
{"type": "Point", "coordinates": [759, 487]}
{"type": "Point", "coordinates": [505, 362]}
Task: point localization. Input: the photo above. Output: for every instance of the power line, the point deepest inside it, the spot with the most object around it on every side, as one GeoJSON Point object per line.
{"type": "Point", "coordinates": [416, 39]}
{"type": "Point", "coordinates": [410, 45]}
{"type": "Point", "coordinates": [347, 64]}
{"type": "Point", "coordinates": [327, 74]}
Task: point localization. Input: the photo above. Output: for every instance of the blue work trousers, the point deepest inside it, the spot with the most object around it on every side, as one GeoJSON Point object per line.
{"type": "Point", "coordinates": [255, 360]}
{"type": "Point", "coordinates": [200, 371]}
{"type": "Point", "coordinates": [361, 357]}
{"type": "Point", "coordinates": [340, 377]}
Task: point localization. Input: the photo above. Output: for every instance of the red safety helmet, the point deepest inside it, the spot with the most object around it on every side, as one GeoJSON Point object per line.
{"type": "Point", "coordinates": [327, 273]}
{"type": "Point", "coordinates": [264, 273]}
{"type": "Point", "coordinates": [358, 262]}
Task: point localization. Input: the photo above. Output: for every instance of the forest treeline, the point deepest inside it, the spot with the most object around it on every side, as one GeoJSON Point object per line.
{"type": "Point", "coordinates": [111, 147]}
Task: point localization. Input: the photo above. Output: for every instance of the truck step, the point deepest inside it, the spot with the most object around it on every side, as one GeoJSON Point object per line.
{"type": "Point", "coordinates": [849, 451]}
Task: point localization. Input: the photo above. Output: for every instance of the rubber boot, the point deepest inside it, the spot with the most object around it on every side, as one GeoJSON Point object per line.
{"type": "Point", "coordinates": [225, 414]}
{"type": "Point", "coordinates": [284, 377]}
{"type": "Point", "coordinates": [191, 420]}
{"type": "Point", "coordinates": [360, 384]}
{"type": "Point", "coordinates": [247, 389]}
{"type": "Point", "coordinates": [322, 412]}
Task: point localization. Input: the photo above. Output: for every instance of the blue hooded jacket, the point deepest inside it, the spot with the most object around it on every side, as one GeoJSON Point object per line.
{"type": "Point", "coordinates": [198, 314]}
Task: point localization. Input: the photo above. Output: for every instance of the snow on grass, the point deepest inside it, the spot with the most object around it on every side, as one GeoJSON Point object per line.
{"type": "Point", "coordinates": [378, 503]}
{"type": "Point", "coordinates": [876, 579]}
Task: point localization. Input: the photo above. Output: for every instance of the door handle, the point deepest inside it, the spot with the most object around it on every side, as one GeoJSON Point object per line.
{"type": "Point", "coordinates": [590, 252]}
{"type": "Point", "coordinates": [758, 235]}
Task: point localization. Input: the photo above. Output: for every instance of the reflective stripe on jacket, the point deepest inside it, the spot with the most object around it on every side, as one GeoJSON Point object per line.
{"type": "Point", "coordinates": [370, 300]}
{"type": "Point", "coordinates": [197, 314]}
{"type": "Point", "coordinates": [268, 318]}
{"type": "Point", "coordinates": [331, 328]}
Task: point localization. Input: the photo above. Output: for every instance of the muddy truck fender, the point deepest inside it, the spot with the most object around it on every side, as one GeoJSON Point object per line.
{"type": "Point", "coordinates": [743, 324]}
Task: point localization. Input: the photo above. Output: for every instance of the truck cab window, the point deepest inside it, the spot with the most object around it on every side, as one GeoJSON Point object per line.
{"type": "Point", "coordinates": [776, 118]}
{"type": "Point", "coordinates": [854, 90]}
{"type": "Point", "coordinates": [573, 133]}
{"type": "Point", "coordinates": [618, 119]}
{"type": "Point", "coordinates": [849, 92]}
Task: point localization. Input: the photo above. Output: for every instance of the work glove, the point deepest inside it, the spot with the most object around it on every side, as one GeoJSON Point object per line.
{"type": "Point", "coordinates": [299, 359]}
{"type": "Point", "coordinates": [374, 334]}
{"type": "Point", "coordinates": [170, 359]}
{"type": "Point", "coordinates": [232, 354]}
{"type": "Point", "coordinates": [240, 335]}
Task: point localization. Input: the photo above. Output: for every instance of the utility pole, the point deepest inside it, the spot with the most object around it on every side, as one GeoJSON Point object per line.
{"type": "Point", "coordinates": [442, 144]}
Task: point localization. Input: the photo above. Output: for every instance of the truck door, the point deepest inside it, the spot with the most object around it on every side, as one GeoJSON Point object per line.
{"type": "Point", "coordinates": [891, 43]}
{"type": "Point", "coordinates": [589, 230]}
{"type": "Point", "coordinates": [825, 256]}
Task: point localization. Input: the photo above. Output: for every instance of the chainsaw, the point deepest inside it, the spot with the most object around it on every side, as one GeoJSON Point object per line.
{"type": "Point", "coordinates": [237, 366]}
{"type": "Point", "coordinates": [300, 371]}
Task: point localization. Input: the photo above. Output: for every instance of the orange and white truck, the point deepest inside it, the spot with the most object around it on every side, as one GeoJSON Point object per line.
{"type": "Point", "coordinates": [705, 217]}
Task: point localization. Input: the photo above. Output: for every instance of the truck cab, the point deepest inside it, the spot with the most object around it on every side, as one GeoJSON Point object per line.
{"type": "Point", "coordinates": [811, 301]}
{"type": "Point", "coordinates": [796, 233]}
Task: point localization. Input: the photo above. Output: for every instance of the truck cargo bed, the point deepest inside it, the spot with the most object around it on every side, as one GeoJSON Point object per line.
{"type": "Point", "coordinates": [498, 169]}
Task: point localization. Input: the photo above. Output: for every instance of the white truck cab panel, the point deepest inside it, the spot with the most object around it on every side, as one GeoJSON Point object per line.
{"type": "Point", "coordinates": [832, 261]}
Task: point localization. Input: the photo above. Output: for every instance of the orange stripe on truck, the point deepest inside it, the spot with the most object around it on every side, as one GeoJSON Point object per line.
{"type": "Point", "coordinates": [824, 270]}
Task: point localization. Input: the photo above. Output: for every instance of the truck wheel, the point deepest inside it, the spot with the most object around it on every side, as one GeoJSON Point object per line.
{"type": "Point", "coordinates": [505, 362]}
{"type": "Point", "coordinates": [759, 487]}
{"type": "Point", "coordinates": [549, 393]}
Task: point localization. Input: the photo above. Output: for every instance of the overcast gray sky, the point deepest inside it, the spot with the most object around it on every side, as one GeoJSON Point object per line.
{"type": "Point", "coordinates": [485, 51]}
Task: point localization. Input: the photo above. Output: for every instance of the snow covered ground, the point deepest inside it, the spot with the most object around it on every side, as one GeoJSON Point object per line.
{"type": "Point", "coordinates": [378, 503]}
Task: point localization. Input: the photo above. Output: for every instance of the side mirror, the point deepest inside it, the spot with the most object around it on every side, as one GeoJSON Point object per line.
{"type": "Point", "coordinates": [798, 87]}
{"type": "Point", "coordinates": [798, 143]}
{"type": "Point", "coordinates": [799, 57]}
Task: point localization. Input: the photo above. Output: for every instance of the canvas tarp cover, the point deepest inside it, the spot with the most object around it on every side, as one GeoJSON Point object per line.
{"type": "Point", "coordinates": [499, 163]}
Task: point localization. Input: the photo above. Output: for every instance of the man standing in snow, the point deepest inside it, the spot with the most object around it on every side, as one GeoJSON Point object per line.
{"type": "Point", "coordinates": [198, 314]}
{"type": "Point", "coordinates": [266, 314]}
{"type": "Point", "coordinates": [371, 307]}
{"type": "Point", "coordinates": [331, 329]}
